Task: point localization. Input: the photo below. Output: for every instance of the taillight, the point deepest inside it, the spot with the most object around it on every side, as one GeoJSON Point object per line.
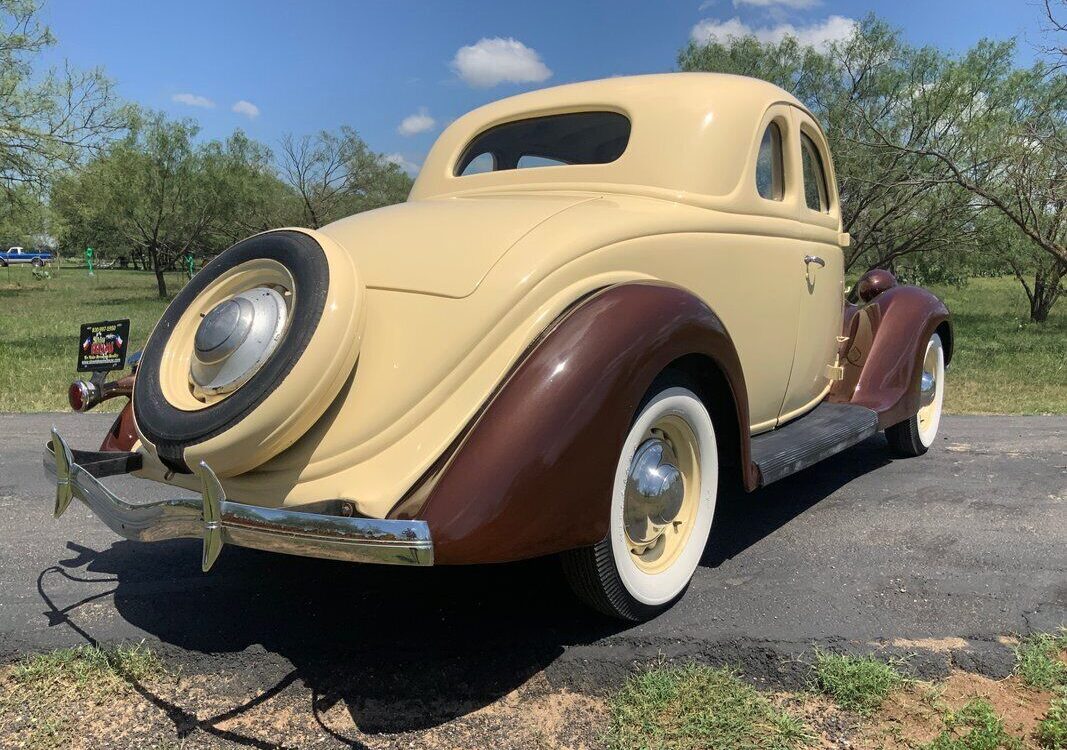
{"type": "Point", "coordinates": [81, 395]}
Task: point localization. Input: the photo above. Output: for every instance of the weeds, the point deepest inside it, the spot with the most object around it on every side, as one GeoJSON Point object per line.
{"type": "Point", "coordinates": [857, 683]}
{"type": "Point", "coordinates": [976, 726]}
{"type": "Point", "coordinates": [41, 685]}
{"type": "Point", "coordinates": [694, 706]}
{"type": "Point", "coordinates": [1052, 731]}
{"type": "Point", "coordinates": [1038, 660]}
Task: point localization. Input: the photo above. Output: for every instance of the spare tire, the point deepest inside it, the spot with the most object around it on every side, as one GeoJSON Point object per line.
{"type": "Point", "coordinates": [250, 352]}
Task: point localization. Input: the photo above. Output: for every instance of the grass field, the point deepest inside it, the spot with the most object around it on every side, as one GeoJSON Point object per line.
{"type": "Point", "coordinates": [39, 327]}
{"type": "Point", "coordinates": [1003, 363]}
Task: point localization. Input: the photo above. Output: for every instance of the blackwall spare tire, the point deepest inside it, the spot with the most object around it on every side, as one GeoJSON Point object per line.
{"type": "Point", "coordinates": [250, 352]}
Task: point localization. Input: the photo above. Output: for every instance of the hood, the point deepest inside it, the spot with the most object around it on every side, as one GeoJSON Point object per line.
{"type": "Point", "coordinates": [442, 246]}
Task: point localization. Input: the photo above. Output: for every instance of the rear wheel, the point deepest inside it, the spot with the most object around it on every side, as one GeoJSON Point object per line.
{"type": "Point", "coordinates": [662, 506]}
{"type": "Point", "coordinates": [914, 436]}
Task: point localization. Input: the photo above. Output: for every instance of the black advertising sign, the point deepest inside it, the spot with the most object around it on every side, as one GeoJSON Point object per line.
{"type": "Point", "coordinates": [102, 346]}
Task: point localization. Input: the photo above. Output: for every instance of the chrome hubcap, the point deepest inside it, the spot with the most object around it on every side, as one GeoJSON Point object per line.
{"type": "Point", "coordinates": [223, 330]}
{"type": "Point", "coordinates": [235, 339]}
{"type": "Point", "coordinates": [927, 388]}
{"type": "Point", "coordinates": [655, 490]}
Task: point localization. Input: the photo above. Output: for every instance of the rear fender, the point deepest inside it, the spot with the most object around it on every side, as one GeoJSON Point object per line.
{"type": "Point", "coordinates": [123, 432]}
{"type": "Point", "coordinates": [886, 345]}
{"type": "Point", "coordinates": [533, 474]}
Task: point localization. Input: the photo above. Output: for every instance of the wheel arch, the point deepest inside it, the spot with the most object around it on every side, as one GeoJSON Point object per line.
{"type": "Point", "coordinates": [886, 344]}
{"type": "Point", "coordinates": [532, 474]}
{"type": "Point", "coordinates": [948, 341]}
{"type": "Point", "coordinates": [717, 395]}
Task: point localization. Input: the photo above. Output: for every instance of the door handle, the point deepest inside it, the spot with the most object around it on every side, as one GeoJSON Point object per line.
{"type": "Point", "coordinates": [809, 259]}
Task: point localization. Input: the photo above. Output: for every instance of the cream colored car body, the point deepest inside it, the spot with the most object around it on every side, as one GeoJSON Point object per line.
{"type": "Point", "coordinates": [462, 277]}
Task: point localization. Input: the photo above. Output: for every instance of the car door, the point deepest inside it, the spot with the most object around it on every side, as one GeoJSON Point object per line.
{"type": "Point", "coordinates": [752, 288]}
{"type": "Point", "coordinates": [819, 267]}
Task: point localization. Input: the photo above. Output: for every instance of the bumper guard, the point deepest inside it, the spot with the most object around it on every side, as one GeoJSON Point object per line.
{"type": "Point", "coordinates": [219, 521]}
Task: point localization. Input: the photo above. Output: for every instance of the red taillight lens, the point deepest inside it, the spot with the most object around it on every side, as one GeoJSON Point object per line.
{"type": "Point", "coordinates": [79, 395]}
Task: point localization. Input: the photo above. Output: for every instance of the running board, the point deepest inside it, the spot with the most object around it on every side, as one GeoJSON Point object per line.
{"type": "Point", "coordinates": [825, 430]}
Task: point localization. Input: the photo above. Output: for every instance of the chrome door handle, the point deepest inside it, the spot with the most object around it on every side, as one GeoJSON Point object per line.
{"type": "Point", "coordinates": [809, 259]}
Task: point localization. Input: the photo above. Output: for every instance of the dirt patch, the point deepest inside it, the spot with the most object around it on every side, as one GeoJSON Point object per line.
{"type": "Point", "coordinates": [915, 716]}
{"type": "Point", "coordinates": [198, 711]}
{"type": "Point", "coordinates": [937, 645]}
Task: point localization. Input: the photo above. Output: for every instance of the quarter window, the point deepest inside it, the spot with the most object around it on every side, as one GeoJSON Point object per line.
{"type": "Point", "coordinates": [483, 162]}
{"type": "Point", "coordinates": [815, 194]}
{"type": "Point", "coordinates": [770, 181]}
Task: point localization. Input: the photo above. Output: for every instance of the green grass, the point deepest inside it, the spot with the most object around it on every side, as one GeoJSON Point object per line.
{"type": "Point", "coordinates": [41, 686]}
{"type": "Point", "coordinates": [39, 322]}
{"type": "Point", "coordinates": [1003, 363]}
{"type": "Point", "coordinates": [101, 671]}
{"type": "Point", "coordinates": [1052, 731]}
{"type": "Point", "coordinates": [697, 707]}
{"type": "Point", "coordinates": [976, 726]}
{"type": "Point", "coordinates": [857, 683]}
{"type": "Point", "coordinates": [1039, 662]}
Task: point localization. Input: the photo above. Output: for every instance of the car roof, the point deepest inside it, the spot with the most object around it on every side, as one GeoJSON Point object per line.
{"type": "Point", "coordinates": [690, 132]}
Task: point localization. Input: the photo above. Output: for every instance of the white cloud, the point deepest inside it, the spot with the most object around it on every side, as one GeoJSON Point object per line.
{"type": "Point", "coordinates": [419, 122]}
{"type": "Point", "coordinates": [818, 34]}
{"type": "Point", "coordinates": [399, 159]}
{"type": "Point", "coordinates": [193, 100]}
{"type": "Point", "coordinates": [498, 60]}
{"type": "Point", "coordinates": [706, 4]}
{"type": "Point", "coordinates": [248, 109]}
{"type": "Point", "coordinates": [792, 4]}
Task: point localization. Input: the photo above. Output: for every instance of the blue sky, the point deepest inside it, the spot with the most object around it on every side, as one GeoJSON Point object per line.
{"type": "Point", "coordinates": [399, 70]}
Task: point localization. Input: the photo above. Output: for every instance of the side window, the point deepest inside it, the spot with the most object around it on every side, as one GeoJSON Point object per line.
{"type": "Point", "coordinates": [770, 181]}
{"type": "Point", "coordinates": [529, 160]}
{"type": "Point", "coordinates": [815, 194]}
{"type": "Point", "coordinates": [483, 162]}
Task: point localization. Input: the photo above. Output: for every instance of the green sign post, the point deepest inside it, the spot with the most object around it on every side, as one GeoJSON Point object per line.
{"type": "Point", "coordinates": [89, 259]}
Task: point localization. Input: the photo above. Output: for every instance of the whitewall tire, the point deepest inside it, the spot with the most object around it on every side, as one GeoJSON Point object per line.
{"type": "Point", "coordinates": [914, 436]}
{"type": "Point", "coordinates": [662, 508]}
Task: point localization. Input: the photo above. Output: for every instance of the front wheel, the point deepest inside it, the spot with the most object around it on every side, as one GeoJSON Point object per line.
{"type": "Point", "coordinates": [662, 506]}
{"type": "Point", "coordinates": [38, 263]}
{"type": "Point", "coordinates": [914, 436]}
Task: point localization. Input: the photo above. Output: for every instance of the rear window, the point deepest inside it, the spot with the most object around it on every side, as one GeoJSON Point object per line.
{"type": "Point", "coordinates": [555, 140]}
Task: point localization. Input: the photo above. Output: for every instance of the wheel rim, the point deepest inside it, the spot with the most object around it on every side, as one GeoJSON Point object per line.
{"type": "Point", "coordinates": [662, 494]}
{"type": "Point", "coordinates": [188, 378]}
{"type": "Point", "coordinates": [931, 391]}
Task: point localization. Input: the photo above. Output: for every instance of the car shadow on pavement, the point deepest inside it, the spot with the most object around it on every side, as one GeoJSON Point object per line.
{"type": "Point", "coordinates": [402, 649]}
{"type": "Point", "coordinates": [742, 519]}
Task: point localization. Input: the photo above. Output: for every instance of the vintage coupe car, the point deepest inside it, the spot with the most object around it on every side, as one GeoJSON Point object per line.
{"type": "Point", "coordinates": [601, 303]}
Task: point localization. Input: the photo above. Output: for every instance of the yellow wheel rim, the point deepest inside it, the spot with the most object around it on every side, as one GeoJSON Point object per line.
{"type": "Point", "coordinates": [175, 368]}
{"type": "Point", "coordinates": [929, 406]}
{"type": "Point", "coordinates": [662, 494]}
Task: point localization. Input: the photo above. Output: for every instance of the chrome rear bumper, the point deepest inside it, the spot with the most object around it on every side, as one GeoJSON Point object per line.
{"type": "Point", "coordinates": [219, 521]}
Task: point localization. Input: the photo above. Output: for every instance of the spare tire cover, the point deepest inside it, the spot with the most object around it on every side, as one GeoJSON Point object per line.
{"type": "Point", "coordinates": [286, 393]}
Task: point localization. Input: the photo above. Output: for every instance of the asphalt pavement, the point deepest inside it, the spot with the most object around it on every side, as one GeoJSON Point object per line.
{"type": "Point", "coordinates": [938, 556]}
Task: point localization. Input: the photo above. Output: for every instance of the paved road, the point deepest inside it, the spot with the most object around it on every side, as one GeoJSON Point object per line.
{"type": "Point", "coordinates": [969, 541]}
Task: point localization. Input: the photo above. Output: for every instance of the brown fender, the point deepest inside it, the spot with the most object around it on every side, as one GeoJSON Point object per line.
{"type": "Point", "coordinates": [886, 345]}
{"type": "Point", "coordinates": [533, 475]}
{"type": "Point", "coordinates": [122, 434]}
